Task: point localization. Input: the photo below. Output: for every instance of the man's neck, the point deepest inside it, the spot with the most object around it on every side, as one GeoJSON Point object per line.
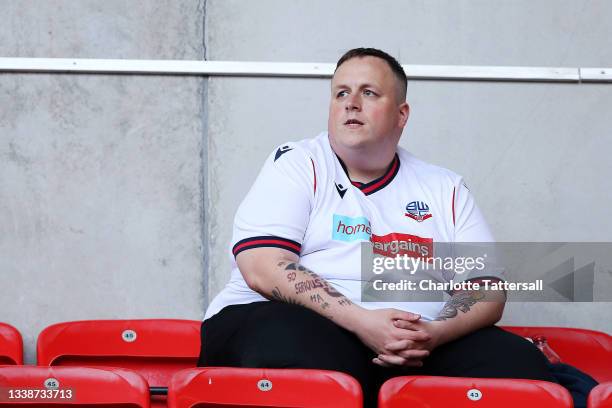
{"type": "Point", "coordinates": [365, 168]}
{"type": "Point", "coordinates": [365, 175]}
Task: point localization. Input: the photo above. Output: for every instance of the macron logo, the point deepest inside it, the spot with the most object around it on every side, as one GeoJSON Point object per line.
{"type": "Point", "coordinates": [341, 190]}
{"type": "Point", "coordinates": [350, 229]}
{"type": "Point", "coordinates": [281, 151]}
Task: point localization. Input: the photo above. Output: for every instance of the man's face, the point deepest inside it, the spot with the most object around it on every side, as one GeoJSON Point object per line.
{"type": "Point", "coordinates": [365, 110]}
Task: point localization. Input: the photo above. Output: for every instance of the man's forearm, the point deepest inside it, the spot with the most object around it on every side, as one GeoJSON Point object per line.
{"type": "Point", "coordinates": [468, 311]}
{"type": "Point", "coordinates": [293, 283]}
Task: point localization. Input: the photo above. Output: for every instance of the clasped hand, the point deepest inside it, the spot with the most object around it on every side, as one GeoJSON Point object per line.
{"type": "Point", "coordinates": [399, 338]}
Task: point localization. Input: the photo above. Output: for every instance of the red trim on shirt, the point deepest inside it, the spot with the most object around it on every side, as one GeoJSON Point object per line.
{"type": "Point", "coordinates": [383, 181]}
{"type": "Point", "coordinates": [266, 241]}
{"type": "Point", "coordinates": [315, 175]}
{"type": "Point", "coordinates": [379, 183]}
{"type": "Point", "coordinates": [453, 205]}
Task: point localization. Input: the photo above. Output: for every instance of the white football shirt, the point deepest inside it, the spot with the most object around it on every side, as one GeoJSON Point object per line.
{"type": "Point", "coordinates": [303, 201]}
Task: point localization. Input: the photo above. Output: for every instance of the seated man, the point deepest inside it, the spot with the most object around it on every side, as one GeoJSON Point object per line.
{"type": "Point", "coordinates": [294, 298]}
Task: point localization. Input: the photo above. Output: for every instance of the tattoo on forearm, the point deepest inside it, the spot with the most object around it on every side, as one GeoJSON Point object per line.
{"type": "Point", "coordinates": [329, 289]}
{"type": "Point", "coordinates": [307, 285]}
{"type": "Point", "coordinates": [461, 301]}
{"type": "Point", "coordinates": [345, 302]}
{"type": "Point", "coordinates": [277, 295]}
{"type": "Point", "coordinates": [318, 299]}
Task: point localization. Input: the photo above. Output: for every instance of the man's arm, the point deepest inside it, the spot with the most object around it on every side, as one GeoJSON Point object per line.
{"type": "Point", "coordinates": [277, 275]}
{"type": "Point", "coordinates": [468, 311]}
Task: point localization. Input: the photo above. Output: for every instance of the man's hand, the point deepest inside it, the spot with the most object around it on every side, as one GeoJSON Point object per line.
{"type": "Point", "coordinates": [401, 352]}
{"type": "Point", "coordinates": [379, 328]}
{"type": "Point", "coordinates": [464, 313]}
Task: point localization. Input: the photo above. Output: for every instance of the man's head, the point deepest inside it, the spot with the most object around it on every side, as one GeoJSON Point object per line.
{"type": "Point", "coordinates": [396, 68]}
{"type": "Point", "coordinates": [367, 110]}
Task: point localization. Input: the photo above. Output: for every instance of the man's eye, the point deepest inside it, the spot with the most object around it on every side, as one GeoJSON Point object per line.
{"type": "Point", "coordinates": [368, 92]}
{"type": "Point", "coordinates": [341, 94]}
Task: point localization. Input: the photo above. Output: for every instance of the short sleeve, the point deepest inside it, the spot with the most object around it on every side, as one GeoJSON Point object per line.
{"type": "Point", "coordinates": [472, 230]}
{"type": "Point", "coordinates": [276, 210]}
{"type": "Point", "coordinates": [470, 225]}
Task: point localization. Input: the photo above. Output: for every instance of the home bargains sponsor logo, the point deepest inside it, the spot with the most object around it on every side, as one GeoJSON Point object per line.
{"type": "Point", "coordinates": [396, 244]}
{"type": "Point", "coordinates": [350, 229]}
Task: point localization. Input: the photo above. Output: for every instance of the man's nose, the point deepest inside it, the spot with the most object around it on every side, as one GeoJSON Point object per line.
{"type": "Point", "coordinates": [353, 103]}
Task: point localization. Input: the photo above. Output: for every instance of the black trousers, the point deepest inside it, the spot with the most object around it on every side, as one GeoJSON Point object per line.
{"type": "Point", "coordinates": [279, 335]}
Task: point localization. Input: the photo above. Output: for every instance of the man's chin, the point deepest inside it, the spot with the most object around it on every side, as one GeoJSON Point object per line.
{"type": "Point", "coordinates": [353, 143]}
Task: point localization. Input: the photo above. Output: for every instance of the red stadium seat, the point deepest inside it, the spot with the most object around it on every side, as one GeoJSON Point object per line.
{"type": "Point", "coordinates": [456, 392]}
{"type": "Point", "coordinates": [259, 387]}
{"type": "Point", "coordinates": [155, 348]}
{"type": "Point", "coordinates": [588, 350]}
{"type": "Point", "coordinates": [601, 396]}
{"type": "Point", "coordinates": [72, 386]}
{"type": "Point", "coordinates": [11, 345]}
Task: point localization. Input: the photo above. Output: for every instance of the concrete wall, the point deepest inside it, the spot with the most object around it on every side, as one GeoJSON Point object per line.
{"type": "Point", "coordinates": [117, 192]}
{"type": "Point", "coordinates": [101, 177]}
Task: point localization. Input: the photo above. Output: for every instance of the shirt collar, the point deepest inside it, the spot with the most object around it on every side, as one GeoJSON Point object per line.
{"type": "Point", "coordinates": [378, 184]}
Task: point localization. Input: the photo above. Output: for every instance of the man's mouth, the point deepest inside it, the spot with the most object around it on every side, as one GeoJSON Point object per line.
{"type": "Point", "coordinates": [353, 122]}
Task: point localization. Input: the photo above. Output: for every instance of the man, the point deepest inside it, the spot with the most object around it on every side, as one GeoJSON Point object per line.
{"type": "Point", "coordinates": [294, 295]}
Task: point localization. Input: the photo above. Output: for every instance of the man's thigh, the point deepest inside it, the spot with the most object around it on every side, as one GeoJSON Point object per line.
{"type": "Point", "coordinates": [279, 335]}
{"type": "Point", "coordinates": [488, 353]}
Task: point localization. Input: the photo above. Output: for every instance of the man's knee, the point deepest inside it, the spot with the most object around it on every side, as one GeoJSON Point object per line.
{"type": "Point", "coordinates": [522, 359]}
{"type": "Point", "coordinates": [490, 353]}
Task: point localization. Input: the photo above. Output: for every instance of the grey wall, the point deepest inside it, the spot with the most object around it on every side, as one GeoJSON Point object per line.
{"type": "Point", "coordinates": [117, 192]}
{"type": "Point", "coordinates": [101, 177]}
{"type": "Point", "coordinates": [455, 32]}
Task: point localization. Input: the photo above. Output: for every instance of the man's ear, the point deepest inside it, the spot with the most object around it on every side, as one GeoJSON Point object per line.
{"type": "Point", "coordinates": [404, 111]}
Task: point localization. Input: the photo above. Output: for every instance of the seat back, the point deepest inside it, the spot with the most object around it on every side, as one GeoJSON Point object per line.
{"type": "Point", "coordinates": [72, 386]}
{"type": "Point", "coordinates": [457, 392]}
{"type": "Point", "coordinates": [155, 348]}
{"type": "Point", "coordinates": [601, 396]}
{"type": "Point", "coordinates": [261, 387]}
{"type": "Point", "coordinates": [588, 350]}
{"type": "Point", "coordinates": [11, 345]}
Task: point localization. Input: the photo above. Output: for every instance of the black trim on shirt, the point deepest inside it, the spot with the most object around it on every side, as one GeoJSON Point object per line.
{"type": "Point", "coordinates": [266, 241]}
{"type": "Point", "coordinates": [378, 184]}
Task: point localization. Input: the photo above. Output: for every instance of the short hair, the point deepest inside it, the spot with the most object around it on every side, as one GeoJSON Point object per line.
{"type": "Point", "coordinates": [395, 66]}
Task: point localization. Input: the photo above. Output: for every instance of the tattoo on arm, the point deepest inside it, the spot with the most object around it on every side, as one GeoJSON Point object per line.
{"type": "Point", "coordinates": [310, 284]}
{"type": "Point", "coordinates": [318, 299]}
{"type": "Point", "coordinates": [462, 301]}
{"type": "Point", "coordinates": [277, 295]}
{"type": "Point", "coordinates": [329, 289]}
{"type": "Point", "coordinates": [344, 301]}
